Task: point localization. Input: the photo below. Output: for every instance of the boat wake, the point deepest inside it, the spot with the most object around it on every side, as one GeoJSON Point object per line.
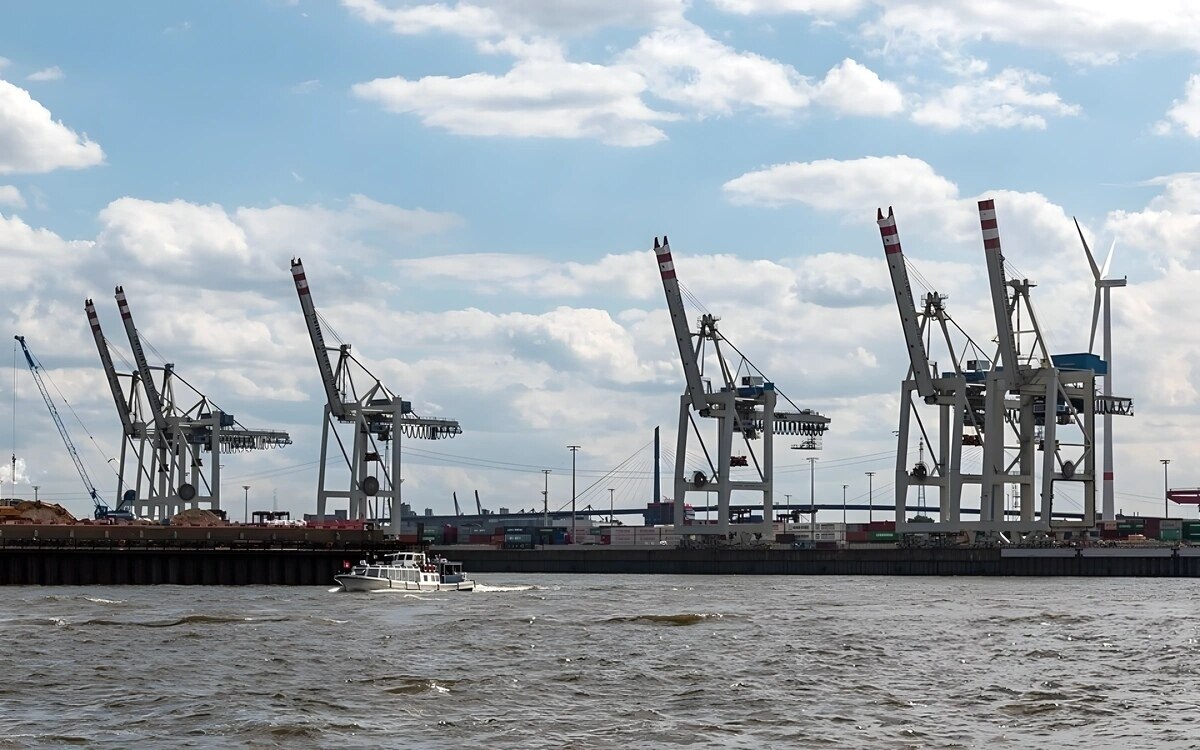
{"type": "Point", "coordinates": [484, 588]}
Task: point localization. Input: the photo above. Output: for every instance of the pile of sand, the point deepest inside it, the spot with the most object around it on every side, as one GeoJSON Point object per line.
{"type": "Point", "coordinates": [197, 517]}
{"type": "Point", "coordinates": [29, 511]}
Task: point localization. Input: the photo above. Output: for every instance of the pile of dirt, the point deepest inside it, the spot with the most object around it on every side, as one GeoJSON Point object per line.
{"type": "Point", "coordinates": [34, 511]}
{"type": "Point", "coordinates": [197, 517]}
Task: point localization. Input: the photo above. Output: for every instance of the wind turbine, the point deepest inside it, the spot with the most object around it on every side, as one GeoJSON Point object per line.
{"type": "Point", "coordinates": [1103, 285]}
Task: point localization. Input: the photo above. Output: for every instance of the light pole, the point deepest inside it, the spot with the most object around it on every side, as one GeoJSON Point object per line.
{"type": "Point", "coordinates": [870, 496]}
{"type": "Point", "coordinates": [574, 449]}
{"type": "Point", "coordinates": [546, 498]}
{"type": "Point", "coordinates": [1166, 492]}
{"type": "Point", "coordinates": [844, 486]}
{"type": "Point", "coordinates": [246, 517]}
{"type": "Point", "coordinates": [812, 489]}
{"type": "Point", "coordinates": [611, 517]}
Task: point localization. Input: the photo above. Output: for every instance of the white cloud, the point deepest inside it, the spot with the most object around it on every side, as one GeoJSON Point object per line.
{"type": "Point", "coordinates": [30, 141]}
{"type": "Point", "coordinates": [306, 87]}
{"type": "Point", "coordinates": [11, 196]}
{"type": "Point", "coordinates": [54, 73]}
{"type": "Point", "coordinates": [1184, 113]}
{"type": "Point", "coordinates": [833, 185]}
{"type": "Point", "coordinates": [1007, 100]}
{"type": "Point", "coordinates": [519, 17]}
{"type": "Point", "coordinates": [852, 88]}
{"type": "Point", "coordinates": [1084, 31]}
{"type": "Point", "coordinates": [543, 97]}
{"type": "Point", "coordinates": [181, 238]}
{"type": "Point", "coordinates": [685, 66]}
{"type": "Point", "coordinates": [1167, 227]}
{"type": "Point", "coordinates": [814, 7]}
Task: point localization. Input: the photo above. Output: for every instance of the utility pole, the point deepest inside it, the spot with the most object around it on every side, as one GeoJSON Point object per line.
{"type": "Point", "coordinates": [574, 449]}
{"type": "Point", "coordinates": [812, 488]}
{"type": "Point", "coordinates": [246, 511]}
{"type": "Point", "coordinates": [844, 486]}
{"type": "Point", "coordinates": [870, 496]}
{"type": "Point", "coordinates": [611, 517]}
{"type": "Point", "coordinates": [1166, 492]}
{"type": "Point", "coordinates": [546, 498]}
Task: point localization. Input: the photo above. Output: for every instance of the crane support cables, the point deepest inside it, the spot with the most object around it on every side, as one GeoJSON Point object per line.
{"type": "Point", "coordinates": [101, 510]}
{"type": "Point", "coordinates": [917, 355]}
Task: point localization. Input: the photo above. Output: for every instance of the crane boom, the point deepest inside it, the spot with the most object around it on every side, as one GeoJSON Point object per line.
{"type": "Point", "coordinates": [917, 355]}
{"type": "Point", "coordinates": [139, 358]}
{"type": "Point", "coordinates": [110, 372]}
{"type": "Point", "coordinates": [334, 397]}
{"type": "Point", "coordinates": [995, 265]}
{"type": "Point", "coordinates": [35, 368]}
{"type": "Point", "coordinates": [683, 331]}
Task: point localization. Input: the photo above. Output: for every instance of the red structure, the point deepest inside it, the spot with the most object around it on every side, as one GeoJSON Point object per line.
{"type": "Point", "coordinates": [1188, 496]}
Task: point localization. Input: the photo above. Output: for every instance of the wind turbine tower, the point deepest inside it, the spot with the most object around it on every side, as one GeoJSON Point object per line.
{"type": "Point", "coordinates": [1109, 405]}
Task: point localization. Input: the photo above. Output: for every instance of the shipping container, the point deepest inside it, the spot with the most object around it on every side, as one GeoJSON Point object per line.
{"type": "Point", "coordinates": [1169, 535]}
{"type": "Point", "coordinates": [881, 536]}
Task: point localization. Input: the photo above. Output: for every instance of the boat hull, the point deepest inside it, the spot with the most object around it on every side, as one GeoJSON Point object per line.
{"type": "Point", "coordinates": [351, 582]}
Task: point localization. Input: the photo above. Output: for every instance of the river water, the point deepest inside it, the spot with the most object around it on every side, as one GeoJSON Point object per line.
{"type": "Point", "coordinates": [540, 661]}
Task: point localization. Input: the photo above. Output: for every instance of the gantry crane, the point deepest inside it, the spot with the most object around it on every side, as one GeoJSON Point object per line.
{"type": "Point", "coordinates": [746, 407]}
{"type": "Point", "coordinates": [178, 435]}
{"type": "Point", "coordinates": [378, 416]}
{"type": "Point", "coordinates": [101, 510]}
{"type": "Point", "coordinates": [947, 391]}
{"type": "Point", "coordinates": [1023, 393]}
{"type": "Point", "coordinates": [1021, 401]}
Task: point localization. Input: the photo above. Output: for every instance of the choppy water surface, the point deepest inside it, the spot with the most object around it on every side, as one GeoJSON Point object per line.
{"type": "Point", "coordinates": [608, 662]}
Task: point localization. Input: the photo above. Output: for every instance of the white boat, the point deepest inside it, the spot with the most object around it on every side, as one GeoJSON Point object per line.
{"type": "Point", "coordinates": [406, 571]}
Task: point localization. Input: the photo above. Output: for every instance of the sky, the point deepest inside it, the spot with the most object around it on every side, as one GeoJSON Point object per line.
{"type": "Point", "coordinates": [475, 189]}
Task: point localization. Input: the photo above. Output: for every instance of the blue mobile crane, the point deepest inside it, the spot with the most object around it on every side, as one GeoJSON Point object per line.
{"type": "Point", "coordinates": [102, 511]}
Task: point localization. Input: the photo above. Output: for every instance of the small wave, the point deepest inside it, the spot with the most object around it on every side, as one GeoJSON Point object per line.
{"type": "Point", "coordinates": [99, 600]}
{"type": "Point", "coordinates": [686, 618]}
{"type": "Point", "coordinates": [485, 589]}
{"type": "Point", "coordinates": [185, 620]}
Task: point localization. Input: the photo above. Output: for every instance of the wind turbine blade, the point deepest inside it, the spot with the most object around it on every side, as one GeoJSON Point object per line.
{"type": "Point", "coordinates": [1095, 321]}
{"type": "Point", "coordinates": [1108, 261]}
{"type": "Point", "coordinates": [1088, 250]}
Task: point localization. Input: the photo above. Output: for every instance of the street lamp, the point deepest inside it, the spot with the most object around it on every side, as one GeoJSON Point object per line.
{"type": "Point", "coordinates": [870, 496]}
{"type": "Point", "coordinates": [844, 486]}
{"type": "Point", "coordinates": [1166, 492]}
{"type": "Point", "coordinates": [246, 517]}
{"type": "Point", "coordinates": [574, 449]}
